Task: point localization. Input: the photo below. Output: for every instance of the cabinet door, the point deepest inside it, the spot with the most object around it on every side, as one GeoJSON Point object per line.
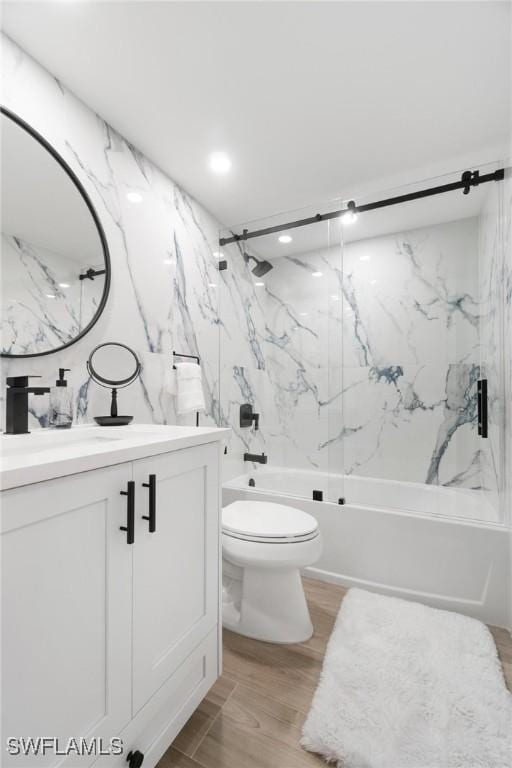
{"type": "Point", "coordinates": [175, 568]}
{"type": "Point", "coordinates": [66, 613]}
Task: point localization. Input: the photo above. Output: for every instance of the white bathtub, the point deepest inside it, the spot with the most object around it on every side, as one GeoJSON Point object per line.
{"type": "Point", "coordinates": [405, 539]}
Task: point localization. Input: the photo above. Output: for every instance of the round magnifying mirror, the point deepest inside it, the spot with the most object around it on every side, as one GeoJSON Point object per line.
{"type": "Point", "coordinates": [113, 365]}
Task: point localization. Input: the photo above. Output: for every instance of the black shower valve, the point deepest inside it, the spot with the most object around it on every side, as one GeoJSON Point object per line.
{"type": "Point", "coordinates": [248, 417]}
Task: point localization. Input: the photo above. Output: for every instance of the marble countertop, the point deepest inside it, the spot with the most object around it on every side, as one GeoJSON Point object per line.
{"type": "Point", "coordinates": [46, 454]}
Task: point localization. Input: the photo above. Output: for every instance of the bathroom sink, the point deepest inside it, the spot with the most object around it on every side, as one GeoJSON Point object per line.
{"type": "Point", "coordinates": [77, 437]}
{"type": "Point", "coordinates": [11, 445]}
{"type": "Point", "coordinates": [45, 454]}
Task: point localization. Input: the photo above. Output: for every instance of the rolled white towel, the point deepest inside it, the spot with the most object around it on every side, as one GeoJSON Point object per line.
{"type": "Point", "coordinates": [190, 395]}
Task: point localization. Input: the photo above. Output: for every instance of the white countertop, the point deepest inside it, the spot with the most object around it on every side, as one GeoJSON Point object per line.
{"type": "Point", "coordinates": [45, 454]}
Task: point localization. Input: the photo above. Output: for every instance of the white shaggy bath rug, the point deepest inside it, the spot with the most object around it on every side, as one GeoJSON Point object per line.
{"type": "Point", "coordinates": [407, 686]}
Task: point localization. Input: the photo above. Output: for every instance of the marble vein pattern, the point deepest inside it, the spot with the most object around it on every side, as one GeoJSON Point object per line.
{"type": "Point", "coordinates": [282, 369]}
{"type": "Point", "coordinates": [361, 360]}
{"type": "Point", "coordinates": [37, 312]}
{"type": "Point", "coordinates": [372, 368]}
{"type": "Point", "coordinates": [164, 294]}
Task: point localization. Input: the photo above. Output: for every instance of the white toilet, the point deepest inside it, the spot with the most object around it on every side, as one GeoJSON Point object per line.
{"type": "Point", "coordinates": [264, 546]}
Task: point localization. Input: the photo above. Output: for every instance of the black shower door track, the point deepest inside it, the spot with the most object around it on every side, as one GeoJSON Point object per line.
{"type": "Point", "coordinates": [469, 179]}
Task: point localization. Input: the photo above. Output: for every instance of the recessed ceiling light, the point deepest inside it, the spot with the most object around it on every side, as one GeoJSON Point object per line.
{"type": "Point", "coordinates": [212, 285]}
{"type": "Point", "coordinates": [317, 274]}
{"type": "Point", "coordinates": [303, 314]}
{"type": "Point", "coordinates": [134, 197]}
{"type": "Point", "coordinates": [64, 285]}
{"type": "Point", "coordinates": [372, 282]}
{"type": "Point", "coordinates": [285, 239]}
{"type": "Point", "coordinates": [167, 261]}
{"type": "Point", "coordinates": [366, 257]}
{"type": "Point", "coordinates": [219, 162]}
{"type": "Point", "coordinates": [259, 285]}
{"type": "Point", "coordinates": [50, 295]}
{"type": "Point", "coordinates": [218, 254]}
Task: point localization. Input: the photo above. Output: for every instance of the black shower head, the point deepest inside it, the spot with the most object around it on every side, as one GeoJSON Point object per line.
{"type": "Point", "coordinates": [261, 268]}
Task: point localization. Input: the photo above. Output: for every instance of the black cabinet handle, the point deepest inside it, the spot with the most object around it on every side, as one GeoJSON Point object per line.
{"type": "Point", "coordinates": [152, 503]}
{"type": "Point", "coordinates": [135, 759]}
{"type": "Point", "coordinates": [130, 512]}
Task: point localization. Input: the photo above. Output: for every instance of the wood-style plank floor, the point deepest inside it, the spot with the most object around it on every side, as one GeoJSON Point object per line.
{"type": "Point", "coordinates": [252, 716]}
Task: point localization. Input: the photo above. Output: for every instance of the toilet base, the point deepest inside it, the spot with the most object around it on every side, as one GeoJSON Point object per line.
{"type": "Point", "coordinates": [266, 605]}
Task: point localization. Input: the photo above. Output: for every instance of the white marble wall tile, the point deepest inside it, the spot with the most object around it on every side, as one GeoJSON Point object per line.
{"type": "Point", "coordinates": [164, 274]}
{"type": "Point", "coordinates": [411, 351]}
{"type": "Point", "coordinates": [381, 383]}
{"type": "Point", "coordinates": [275, 342]}
{"type": "Point", "coordinates": [413, 423]}
{"type": "Point", "coordinates": [413, 297]}
{"type": "Point", "coordinates": [37, 313]}
{"type": "Point", "coordinates": [369, 369]}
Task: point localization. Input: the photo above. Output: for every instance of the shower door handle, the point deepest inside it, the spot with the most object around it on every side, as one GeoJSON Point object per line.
{"type": "Point", "coordinates": [479, 405]}
{"type": "Point", "coordinates": [482, 407]}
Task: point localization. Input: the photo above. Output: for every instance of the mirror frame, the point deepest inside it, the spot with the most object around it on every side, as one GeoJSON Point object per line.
{"type": "Point", "coordinates": [111, 383]}
{"type": "Point", "coordinates": [103, 240]}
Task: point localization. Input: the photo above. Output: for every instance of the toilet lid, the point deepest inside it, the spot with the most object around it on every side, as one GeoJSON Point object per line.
{"type": "Point", "coordinates": [264, 520]}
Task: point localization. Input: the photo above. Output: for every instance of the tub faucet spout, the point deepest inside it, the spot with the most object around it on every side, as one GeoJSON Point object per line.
{"type": "Point", "coordinates": [256, 457]}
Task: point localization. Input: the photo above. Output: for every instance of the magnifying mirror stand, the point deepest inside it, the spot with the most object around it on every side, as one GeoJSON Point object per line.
{"type": "Point", "coordinates": [113, 420]}
{"type": "Point", "coordinates": [113, 404]}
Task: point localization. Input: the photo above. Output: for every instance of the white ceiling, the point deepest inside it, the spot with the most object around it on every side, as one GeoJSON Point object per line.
{"type": "Point", "coordinates": [310, 99]}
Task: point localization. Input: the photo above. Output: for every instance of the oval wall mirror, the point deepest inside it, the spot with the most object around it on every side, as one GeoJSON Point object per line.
{"type": "Point", "coordinates": [54, 256]}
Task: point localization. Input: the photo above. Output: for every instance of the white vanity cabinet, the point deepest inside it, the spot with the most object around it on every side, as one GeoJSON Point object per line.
{"type": "Point", "coordinates": [175, 568]}
{"type": "Point", "coordinates": [66, 610]}
{"type": "Point", "coordinates": [109, 632]}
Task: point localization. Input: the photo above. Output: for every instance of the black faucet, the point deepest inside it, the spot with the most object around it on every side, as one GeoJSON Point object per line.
{"type": "Point", "coordinates": [260, 459]}
{"type": "Point", "coordinates": [16, 413]}
{"type": "Point", "coordinates": [247, 416]}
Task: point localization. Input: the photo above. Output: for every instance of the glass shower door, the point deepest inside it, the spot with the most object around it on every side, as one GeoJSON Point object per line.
{"type": "Point", "coordinates": [280, 317]}
{"type": "Point", "coordinates": [492, 280]}
{"type": "Point", "coordinates": [414, 323]}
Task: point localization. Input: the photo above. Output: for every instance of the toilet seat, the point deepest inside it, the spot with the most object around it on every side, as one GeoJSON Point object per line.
{"type": "Point", "coordinates": [267, 523]}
